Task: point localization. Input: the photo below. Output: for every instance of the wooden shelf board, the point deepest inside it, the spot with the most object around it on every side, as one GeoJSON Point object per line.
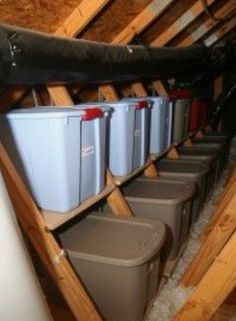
{"type": "Point", "coordinates": [56, 219]}
{"type": "Point", "coordinates": [122, 179]}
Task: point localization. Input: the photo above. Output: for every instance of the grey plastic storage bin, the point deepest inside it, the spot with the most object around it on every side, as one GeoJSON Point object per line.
{"type": "Point", "coordinates": [45, 144]}
{"type": "Point", "coordinates": [187, 170]}
{"type": "Point", "coordinates": [225, 143]}
{"type": "Point", "coordinates": [181, 115]}
{"type": "Point", "coordinates": [188, 152]}
{"type": "Point", "coordinates": [117, 261]}
{"type": "Point", "coordinates": [218, 146]}
{"type": "Point", "coordinates": [164, 200]}
{"type": "Point", "coordinates": [142, 130]}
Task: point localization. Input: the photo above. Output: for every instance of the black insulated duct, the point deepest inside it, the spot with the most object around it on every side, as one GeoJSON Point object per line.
{"type": "Point", "coordinates": [28, 57]}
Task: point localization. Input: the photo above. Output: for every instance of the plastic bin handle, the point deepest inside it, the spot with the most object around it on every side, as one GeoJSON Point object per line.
{"type": "Point", "coordinates": [92, 113]}
{"type": "Point", "coordinates": [142, 104]}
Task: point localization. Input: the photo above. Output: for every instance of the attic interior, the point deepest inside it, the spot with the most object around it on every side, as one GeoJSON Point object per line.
{"type": "Point", "coordinates": [118, 160]}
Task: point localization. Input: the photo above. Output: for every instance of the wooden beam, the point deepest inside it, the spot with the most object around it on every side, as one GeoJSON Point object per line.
{"type": "Point", "coordinates": [45, 245]}
{"type": "Point", "coordinates": [218, 87]}
{"type": "Point", "coordinates": [173, 153]}
{"type": "Point", "coordinates": [188, 142]}
{"type": "Point", "coordinates": [214, 287]}
{"type": "Point", "coordinates": [209, 24]}
{"type": "Point", "coordinates": [159, 87]}
{"type": "Point", "coordinates": [216, 240]}
{"type": "Point", "coordinates": [220, 32]}
{"type": "Point", "coordinates": [80, 17]}
{"type": "Point", "coordinates": [180, 24]}
{"type": "Point", "coordinates": [136, 26]}
{"type": "Point", "coordinates": [141, 21]}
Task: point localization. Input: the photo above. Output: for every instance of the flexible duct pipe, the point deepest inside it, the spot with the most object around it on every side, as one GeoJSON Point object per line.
{"type": "Point", "coordinates": [28, 57]}
{"type": "Point", "coordinates": [21, 298]}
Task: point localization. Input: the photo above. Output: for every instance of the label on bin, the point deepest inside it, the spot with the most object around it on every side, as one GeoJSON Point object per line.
{"type": "Point", "coordinates": [87, 151]}
{"type": "Point", "coordinates": [137, 132]}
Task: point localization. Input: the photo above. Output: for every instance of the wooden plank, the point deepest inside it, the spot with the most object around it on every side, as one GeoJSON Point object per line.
{"type": "Point", "coordinates": [151, 171]}
{"type": "Point", "coordinates": [159, 87]}
{"type": "Point", "coordinates": [60, 96]}
{"type": "Point", "coordinates": [173, 153]}
{"type": "Point", "coordinates": [218, 86]}
{"type": "Point", "coordinates": [45, 245]}
{"type": "Point", "coordinates": [80, 17]}
{"type": "Point", "coordinates": [188, 142]}
{"type": "Point", "coordinates": [229, 191]}
{"type": "Point", "coordinates": [220, 32]}
{"type": "Point", "coordinates": [55, 219]}
{"type": "Point", "coordinates": [216, 240]}
{"type": "Point", "coordinates": [139, 89]}
{"type": "Point", "coordinates": [117, 201]}
{"type": "Point", "coordinates": [108, 92]}
{"type": "Point", "coordinates": [214, 287]}
{"type": "Point", "coordinates": [142, 21]}
{"type": "Point", "coordinates": [208, 25]}
{"type": "Point", "coordinates": [180, 24]}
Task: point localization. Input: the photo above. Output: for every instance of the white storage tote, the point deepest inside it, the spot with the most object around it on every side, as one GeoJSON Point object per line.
{"type": "Point", "coordinates": [93, 149]}
{"type": "Point", "coordinates": [142, 130]}
{"type": "Point", "coordinates": [44, 145]}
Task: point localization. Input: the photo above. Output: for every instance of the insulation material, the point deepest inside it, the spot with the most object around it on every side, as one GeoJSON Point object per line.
{"type": "Point", "coordinates": [172, 297]}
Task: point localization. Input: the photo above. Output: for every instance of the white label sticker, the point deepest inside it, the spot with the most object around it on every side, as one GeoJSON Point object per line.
{"type": "Point", "coordinates": [184, 20]}
{"type": "Point", "coordinates": [210, 40]}
{"type": "Point", "coordinates": [199, 32]}
{"type": "Point", "coordinates": [87, 151]}
{"type": "Point", "coordinates": [137, 132]}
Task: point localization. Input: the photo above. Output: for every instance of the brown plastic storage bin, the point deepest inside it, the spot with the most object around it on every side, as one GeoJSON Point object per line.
{"type": "Point", "coordinates": [189, 153]}
{"type": "Point", "coordinates": [188, 170]}
{"type": "Point", "coordinates": [221, 142]}
{"type": "Point", "coordinates": [117, 261]}
{"type": "Point", "coordinates": [167, 201]}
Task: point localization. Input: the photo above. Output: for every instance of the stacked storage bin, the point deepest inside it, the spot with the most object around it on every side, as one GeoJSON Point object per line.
{"type": "Point", "coordinates": [163, 200]}
{"type": "Point", "coordinates": [121, 279]}
{"type": "Point", "coordinates": [161, 122]}
{"type": "Point", "coordinates": [43, 144]}
{"type": "Point", "coordinates": [182, 102]}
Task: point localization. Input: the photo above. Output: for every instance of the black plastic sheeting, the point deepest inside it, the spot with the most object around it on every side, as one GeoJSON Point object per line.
{"type": "Point", "coordinates": [28, 57]}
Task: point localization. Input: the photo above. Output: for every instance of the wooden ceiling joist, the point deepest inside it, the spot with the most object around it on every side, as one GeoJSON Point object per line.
{"type": "Point", "coordinates": [80, 17]}
{"type": "Point", "coordinates": [220, 32]}
{"type": "Point", "coordinates": [180, 24]}
{"type": "Point", "coordinates": [209, 24]}
{"type": "Point", "coordinates": [142, 21]}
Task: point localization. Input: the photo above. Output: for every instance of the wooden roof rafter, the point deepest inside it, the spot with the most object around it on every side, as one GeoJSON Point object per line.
{"type": "Point", "coordinates": [220, 32]}
{"type": "Point", "coordinates": [209, 24]}
{"type": "Point", "coordinates": [180, 24]}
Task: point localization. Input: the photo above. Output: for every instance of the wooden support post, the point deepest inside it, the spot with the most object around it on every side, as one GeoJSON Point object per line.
{"type": "Point", "coordinates": [218, 86]}
{"type": "Point", "coordinates": [45, 245]}
{"type": "Point", "coordinates": [214, 287]}
{"type": "Point", "coordinates": [199, 134]}
{"type": "Point", "coordinates": [188, 142]}
{"type": "Point", "coordinates": [117, 201]}
{"type": "Point", "coordinates": [219, 235]}
{"type": "Point", "coordinates": [159, 87]}
{"type": "Point", "coordinates": [139, 89]}
{"type": "Point", "coordinates": [173, 153]}
{"type": "Point", "coordinates": [109, 92]}
{"type": "Point", "coordinates": [151, 171]}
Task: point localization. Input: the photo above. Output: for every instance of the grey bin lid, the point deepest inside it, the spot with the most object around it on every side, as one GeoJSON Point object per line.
{"type": "Point", "coordinates": [42, 112]}
{"type": "Point", "coordinates": [207, 144]}
{"type": "Point", "coordinates": [123, 242]}
{"type": "Point", "coordinates": [191, 151]}
{"type": "Point", "coordinates": [198, 155]}
{"type": "Point", "coordinates": [107, 104]}
{"type": "Point", "coordinates": [191, 168]}
{"type": "Point", "coordinates": [163, 192]}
